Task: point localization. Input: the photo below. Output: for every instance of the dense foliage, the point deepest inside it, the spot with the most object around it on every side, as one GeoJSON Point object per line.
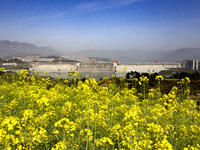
{"type": "Point", "coordinates": [37, 113]}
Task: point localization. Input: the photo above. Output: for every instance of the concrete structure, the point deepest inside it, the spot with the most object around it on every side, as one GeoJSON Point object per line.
{"type": "Point", "coordinates": [104, 67]}
{"type": "Point", "coordinates": [95, 67]}
{"type": "Point", "coordinates": [192, 65]}
{"type": "Point", "coordinates": [147, 67]}
{"type": "Point", "coordinates": [52, 67]}
{"type": "Point", "coordinates": [9, 64]}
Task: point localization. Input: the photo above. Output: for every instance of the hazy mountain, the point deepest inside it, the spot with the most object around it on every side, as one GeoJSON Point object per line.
{"type": "Point", "coordinates": [142, 56]}
{"type": "Point", "coordinates": [10, 49]}
{"type": "Point", "coordinates": [121, 55]}
{"type": "Point", "coordinates": [182, 54]}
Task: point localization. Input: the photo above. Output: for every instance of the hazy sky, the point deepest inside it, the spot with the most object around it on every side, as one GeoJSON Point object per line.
{"type": "Point", "coordinates": [102, 24]}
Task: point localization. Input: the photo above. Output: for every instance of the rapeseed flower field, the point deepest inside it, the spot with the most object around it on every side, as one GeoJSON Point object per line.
{"type": "Point", "coordinates": [38, 114]}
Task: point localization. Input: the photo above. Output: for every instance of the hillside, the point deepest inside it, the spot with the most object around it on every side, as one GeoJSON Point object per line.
{"type": "Point", "coordinates": [142, 56]}
{"type": "Point", "coordinates": [9, 49]}
{"type": "Point", "coordinates": [182, 54]}
{"type": "Point", "coordinates": [121, 55]}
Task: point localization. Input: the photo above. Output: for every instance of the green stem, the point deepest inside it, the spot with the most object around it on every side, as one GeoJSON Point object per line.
{"type": "Point", "coordinates": [88, 124]}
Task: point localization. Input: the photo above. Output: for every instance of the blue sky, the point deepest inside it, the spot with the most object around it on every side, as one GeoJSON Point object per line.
{"type": "Point", "coordinates": [72, 25]}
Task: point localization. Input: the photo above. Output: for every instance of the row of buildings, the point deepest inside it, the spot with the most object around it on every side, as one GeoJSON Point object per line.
{"type": "Point", "coordinates": [52, 58]}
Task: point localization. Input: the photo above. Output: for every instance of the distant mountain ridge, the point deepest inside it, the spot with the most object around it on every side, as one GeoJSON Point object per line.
{"type": "Point", "coordinates": [17, 49]}
{"type": "Point", "coordinates": [142, 56]}
{"type": "Point", "coordinates": [182, 54]}
{"type": "Point", "coordinates": [10, 49]}
{"type": "Point", "coordinates": [121, 55]}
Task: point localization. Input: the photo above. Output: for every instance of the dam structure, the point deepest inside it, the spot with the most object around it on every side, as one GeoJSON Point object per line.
{"type": "Point", "coordinates": [147, 67]}
{"type": "Point", "coordinates": [104, 67]}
